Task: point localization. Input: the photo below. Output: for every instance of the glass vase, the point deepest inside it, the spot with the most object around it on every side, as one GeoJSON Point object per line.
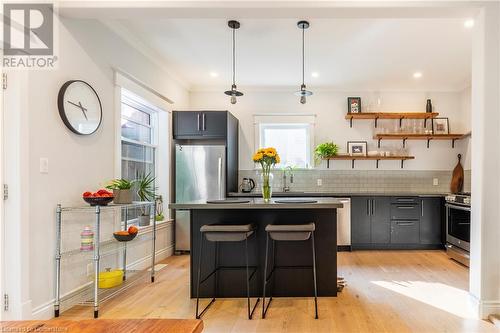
{"type": "Point", "coordinates": [266, 181]}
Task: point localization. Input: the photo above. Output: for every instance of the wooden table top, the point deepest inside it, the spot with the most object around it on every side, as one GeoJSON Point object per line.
{"type": "Point", "coordinates": [104, 325]}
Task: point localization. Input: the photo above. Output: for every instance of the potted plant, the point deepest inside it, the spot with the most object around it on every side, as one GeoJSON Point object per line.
{"type": "Point", "coordinates": [122, 190]}
{"type": "Point", "coordinates": [325, 151]}
{"type": "Point", "coordinates": [146, 192]}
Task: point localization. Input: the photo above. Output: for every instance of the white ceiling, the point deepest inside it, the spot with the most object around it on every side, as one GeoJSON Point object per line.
{"type": "Point", "coordinates": [359, 54]}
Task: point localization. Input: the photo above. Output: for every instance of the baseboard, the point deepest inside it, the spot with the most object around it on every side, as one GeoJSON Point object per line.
{"type": "Point", "coordinates": [485, 308]}
{"type": "Point", "coordinates": [344, 248]}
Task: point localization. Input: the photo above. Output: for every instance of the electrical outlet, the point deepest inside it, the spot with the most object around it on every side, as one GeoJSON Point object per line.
{"type": "Point", "coordinates": [319, 182]}
{"type": "Point", "coordinates": [44, 165]}
{"type": "Point", "coordinates": [435, 182]}
{"type": "Point", "coordinates": [90, 269]}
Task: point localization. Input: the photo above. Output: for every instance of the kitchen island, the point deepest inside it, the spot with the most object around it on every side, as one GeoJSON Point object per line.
{"type": "Point", "coordinates": [289, 282]}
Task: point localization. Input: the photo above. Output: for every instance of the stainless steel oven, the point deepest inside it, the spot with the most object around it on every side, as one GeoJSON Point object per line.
{"type": "Point", "coordinates": [458, 230]}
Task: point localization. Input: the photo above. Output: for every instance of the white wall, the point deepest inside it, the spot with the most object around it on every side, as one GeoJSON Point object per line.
{"type": "Point", "coordinates": [330, 108]}
{"type": "Point", "coordinates": [87, 51]}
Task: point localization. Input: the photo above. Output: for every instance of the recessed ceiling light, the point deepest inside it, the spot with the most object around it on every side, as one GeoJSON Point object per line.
{"type": "Point", "coordinates": [417, 75]}
{"type": "Point", "coordinates": [214, 74]}
{"type": "Point", "coordinates": [469, 23]}
{"type": "Point", "coordinates": [314, 74]}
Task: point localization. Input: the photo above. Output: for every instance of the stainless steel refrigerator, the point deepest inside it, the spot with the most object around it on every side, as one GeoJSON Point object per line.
{"type": "Point", "coordinates": [200, 175]}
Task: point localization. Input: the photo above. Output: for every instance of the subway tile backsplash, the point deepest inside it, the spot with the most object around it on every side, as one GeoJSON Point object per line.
{"type": "Point", "coordinates": [363, 181]}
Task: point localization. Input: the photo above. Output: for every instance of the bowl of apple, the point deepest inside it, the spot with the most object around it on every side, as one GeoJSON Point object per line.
{"type": "Point", "coordinates": [99, 198]}
{"type": "Point", "coordinates": [126, 235]}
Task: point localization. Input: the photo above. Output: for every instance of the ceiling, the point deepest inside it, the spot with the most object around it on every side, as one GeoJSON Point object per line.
{"type": "Point", "coordinates": [347, 54]}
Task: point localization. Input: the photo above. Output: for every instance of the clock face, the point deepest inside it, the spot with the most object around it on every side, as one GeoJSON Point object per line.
{"type": "Point", "coordinates": [79, 107]}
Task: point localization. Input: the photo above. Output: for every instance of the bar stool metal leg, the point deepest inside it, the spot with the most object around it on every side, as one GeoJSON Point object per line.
{"type": "Point", "coordinates": [265, 279]}
{"type": "Point", "coordinates": [250, 312]}
{"type": "Point", "coordinates": [198, 315]}
{"type": "Point", "coordinates": [314, 276]}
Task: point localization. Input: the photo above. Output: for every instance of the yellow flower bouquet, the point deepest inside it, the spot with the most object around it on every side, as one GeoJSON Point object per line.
{"type": "Point", "coordinates": [268, 158]}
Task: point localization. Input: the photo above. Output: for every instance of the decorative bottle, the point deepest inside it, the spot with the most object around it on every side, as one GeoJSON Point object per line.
{"type": "Point", "coordinates": [87, 239]}
{"type": "Point", "coordinates": [428, 107]}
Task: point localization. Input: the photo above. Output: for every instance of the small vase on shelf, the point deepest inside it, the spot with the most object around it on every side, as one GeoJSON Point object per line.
{"type": "Point", "coordinates": [268, 158]}
{"type": "Point", "coordinates": [428, 106]}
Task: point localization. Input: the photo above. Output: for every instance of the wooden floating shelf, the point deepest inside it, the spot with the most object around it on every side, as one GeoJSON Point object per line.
{"type": "Point", "coordinates": [369, 158]}
{"type": "Point", "coordinates": [391, 115]}
{"type": "Point", "coordinates": [427, 137]}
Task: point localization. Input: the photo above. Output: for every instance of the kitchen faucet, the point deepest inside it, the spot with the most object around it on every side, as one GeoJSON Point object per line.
{"type": "Point", "coordinates": [286, 188]}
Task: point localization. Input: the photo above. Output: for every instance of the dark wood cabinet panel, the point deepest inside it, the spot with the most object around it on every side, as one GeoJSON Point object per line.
{"type": "Point", "coordinates": [431, 220]}
{"type": "Point", "coordinates": [186, 124]}
{"type": "Point", "coordinates": [214, 124]}
{"type": "Point", "coordinates": [360, 220]}
{"type": "Point", "coordinates": [405, 232]}
{"type": "Point", "coordinates": [380, 220]}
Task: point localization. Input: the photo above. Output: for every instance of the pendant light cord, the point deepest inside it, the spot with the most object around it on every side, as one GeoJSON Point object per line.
{"type": "Point", "coordinates": [303, 56]}
{"type": "Point", "coordinates": [234, 57]}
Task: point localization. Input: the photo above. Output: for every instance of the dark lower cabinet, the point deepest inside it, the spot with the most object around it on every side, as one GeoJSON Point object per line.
{"type": "Point", "coordinates": [370, 223]}
{"type": "Point", "coordinates": [384, 222]}
{"type": "Point", "coordinates": [360, 220]}
{"type": "Point", "coordinates": [380, 223]}
{"type": "Point", "coordinates": [431, 220]}
{"type": "Point", "coordinates": [405, 232]}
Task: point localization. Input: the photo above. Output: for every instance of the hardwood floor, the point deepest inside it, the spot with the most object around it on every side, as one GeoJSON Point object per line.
{"type": "Point", "coordinates": [387, 291]}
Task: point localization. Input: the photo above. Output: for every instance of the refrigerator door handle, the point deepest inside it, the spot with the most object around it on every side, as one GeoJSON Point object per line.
{"type": "Point", "coordinates": [219, 171]}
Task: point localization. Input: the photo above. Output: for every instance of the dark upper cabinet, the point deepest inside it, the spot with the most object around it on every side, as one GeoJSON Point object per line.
{"type": "Point", "coordinates": [431, 220]}
{"type": "Point", "coordinates": [214, 124]}
{"type": "Point", "coordinates": [381, 224]}
{"type": "Point", "coordinates": [200, 124]}
{"type": "Point", "coordinates": [186, 124]}
{"type": "Point", "coordinates": [360, 220]}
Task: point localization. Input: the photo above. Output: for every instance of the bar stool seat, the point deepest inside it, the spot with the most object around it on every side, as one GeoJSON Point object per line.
{"type": "Point", "coordinates": [290, 232]}
{"type": "Point", "coordinates": [217, 233]}
{"type": "Point", "coordinates": [227, 232]}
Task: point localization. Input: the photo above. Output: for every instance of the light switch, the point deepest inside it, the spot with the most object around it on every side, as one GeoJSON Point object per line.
{"type": "Point", "coordinates": [44, 165]}
{"type": "Point", "coordinates": [319, 182]}
{"type": "Point", "coordinates": [435, 182]}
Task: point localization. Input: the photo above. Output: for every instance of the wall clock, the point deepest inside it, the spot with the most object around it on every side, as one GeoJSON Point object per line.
{"type": "Point", "coordinates": [79, 107]}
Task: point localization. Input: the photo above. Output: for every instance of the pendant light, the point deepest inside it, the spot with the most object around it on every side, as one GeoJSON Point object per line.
{"type": "Point", "coordinates": [303, 92]}
{"type": "Point", "coordinates": [233, 92]}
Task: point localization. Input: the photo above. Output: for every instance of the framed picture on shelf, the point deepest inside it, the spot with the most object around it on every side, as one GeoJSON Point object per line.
{"type": "Point", "coordinates": [357, 148]}
{"type": "Point", "coordinates": [440, 126]}
{"type": "Point", "coordinates": [353, 104]}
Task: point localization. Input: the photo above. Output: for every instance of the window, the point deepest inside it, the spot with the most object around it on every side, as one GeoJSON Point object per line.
{"type": "Point", "coordinates": [139, 141]}
{"type": "Point", "coordinates": [290, 135]}
{"type": "Point", "coordinates": [139, 122]}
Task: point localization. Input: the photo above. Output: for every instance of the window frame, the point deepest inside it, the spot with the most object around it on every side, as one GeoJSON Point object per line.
{"type": "Point", "coordinates": [262, 121]}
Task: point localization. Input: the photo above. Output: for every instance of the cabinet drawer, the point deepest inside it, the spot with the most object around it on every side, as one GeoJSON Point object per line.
{"type": "Point", "coordinates": [405, 232]}
{"type": "Point", "coordinates": [405, 212]}
{"type": "Point", "coordinates": [404, 200]}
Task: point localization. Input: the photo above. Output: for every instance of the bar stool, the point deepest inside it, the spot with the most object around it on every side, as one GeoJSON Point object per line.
{"type": "Point", "coordinates": [225, 233]}
{"type": "Point", "coordinates": [298, 232]}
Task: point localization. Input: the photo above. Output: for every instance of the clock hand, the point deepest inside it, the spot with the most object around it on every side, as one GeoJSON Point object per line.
{"type": "Point", "coordinates": [79, 105]}
{"type": "Point", "coordinates": [84, 110]}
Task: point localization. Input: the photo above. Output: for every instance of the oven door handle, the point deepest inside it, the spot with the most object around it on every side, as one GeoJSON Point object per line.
{"type": "Point", "coordinates": [450, 206]}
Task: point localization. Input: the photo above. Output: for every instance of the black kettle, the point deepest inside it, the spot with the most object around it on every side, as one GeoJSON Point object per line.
{"type": "Point", "coordinates": [247, 185]}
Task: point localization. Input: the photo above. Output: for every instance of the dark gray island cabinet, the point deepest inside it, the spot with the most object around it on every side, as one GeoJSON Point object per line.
{"type": "Point", "coordinates": [297, 281]}
{"type": "Point", "coordinates": [397, 222]}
